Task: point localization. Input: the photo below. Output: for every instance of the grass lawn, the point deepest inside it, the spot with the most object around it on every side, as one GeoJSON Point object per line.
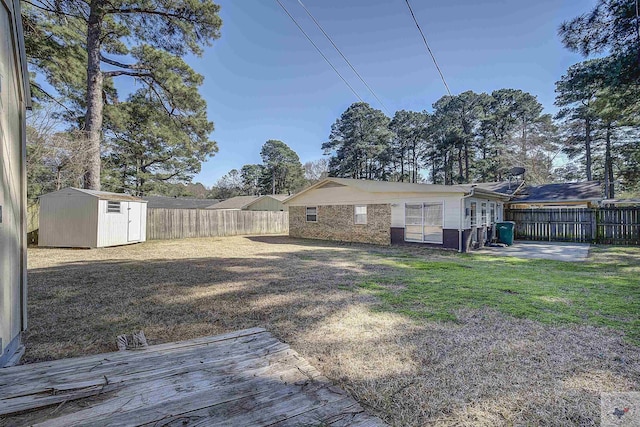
{"type": "Point", "coordinates": [600, 293]}
{"type": "Point", "coordinates": [418, 336]}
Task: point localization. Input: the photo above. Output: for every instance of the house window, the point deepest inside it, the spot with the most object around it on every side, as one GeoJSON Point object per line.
{"type": "Point", "coordinates": [492, 216]}
{"type": "Point", "coordinates": [423, 222]}
{"type": "Point", "coordinates": [473, 214]}
{"type": "Point", "coordinates": [113, 207]}
{"type": "Point", "coordinates": [484, 213]}
{"type": "Point", "coordinates": [312, 214]}
{"type": "Point", "coordinates": [360, 215]}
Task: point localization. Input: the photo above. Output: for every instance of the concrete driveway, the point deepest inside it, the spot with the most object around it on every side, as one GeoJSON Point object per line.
{"type": "Point", "coordinates": [558, 251]}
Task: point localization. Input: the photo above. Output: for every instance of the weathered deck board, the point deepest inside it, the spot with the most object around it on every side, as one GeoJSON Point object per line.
{"type": "Point", "coordinates": [244, 378]}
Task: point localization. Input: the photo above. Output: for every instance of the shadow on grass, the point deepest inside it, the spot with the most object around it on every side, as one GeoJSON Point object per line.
{"type": "Point", "coordinates": [409, 368]}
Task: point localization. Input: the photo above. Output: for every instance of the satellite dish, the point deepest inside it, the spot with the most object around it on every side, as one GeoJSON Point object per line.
{"type": "Point", "coordinates": [516, 171]}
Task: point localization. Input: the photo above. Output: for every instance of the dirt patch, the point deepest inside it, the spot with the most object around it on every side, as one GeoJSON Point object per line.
{"type": "Point", "coordinates": [484, 369]}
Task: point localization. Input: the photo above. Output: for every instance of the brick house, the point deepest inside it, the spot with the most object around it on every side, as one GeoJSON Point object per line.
{"type": "Point", "coordinates": [458, 217]}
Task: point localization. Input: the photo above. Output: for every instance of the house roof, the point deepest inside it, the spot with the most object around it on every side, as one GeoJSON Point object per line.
{"type": "Point", "coordinates": [242, 202]}
{"type": "Point", "coordinates": [102, 195]}
{"type": "Point", "coordinates": [504, 187]}
{"type": "Point", "coordinates": [560, 192]}
{"type": "Point", "coordinates": [179, 202]}
{"type": "Point", "coordinates": [400, 187]}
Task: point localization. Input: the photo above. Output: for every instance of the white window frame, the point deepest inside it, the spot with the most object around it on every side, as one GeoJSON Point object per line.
{"type": "Point", "coordinates": [306, 212]}
{"type": "Point", "coordinates": [483, 213]}
{"type": "Point", "coordinates": [492, 213]}
{"type": "Point", "coordinates": [422, 225]}
{"type": "Point", "coordinates": [356, 215]}
{"type": "Point", "coordinates": [111, 207]}
{"type": "Point", "coordinates": [473, 213]}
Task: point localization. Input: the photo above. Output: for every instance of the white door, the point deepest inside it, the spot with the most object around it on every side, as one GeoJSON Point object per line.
{"type": "Point", "coordinates": [423, 222]}
{"type": "Point", "coordinates": [133, 229]}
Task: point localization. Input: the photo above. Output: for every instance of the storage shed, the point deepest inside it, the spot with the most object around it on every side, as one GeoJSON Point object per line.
{"type": "Point", "coordinates": [77, 218]}
{"type": "Point", "coordinates": [14, 100]}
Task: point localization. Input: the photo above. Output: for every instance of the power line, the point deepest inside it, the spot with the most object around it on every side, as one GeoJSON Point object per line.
{"type": "Point", "coordinates": [319, 51]}
{"type": "Point", "coordinates": [343, 56]}
{"type": "Point", "coordinates": [424, 39]}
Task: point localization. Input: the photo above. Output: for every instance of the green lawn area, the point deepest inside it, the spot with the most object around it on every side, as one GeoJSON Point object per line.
{"type": "Point", "coordinates": [604, 291]}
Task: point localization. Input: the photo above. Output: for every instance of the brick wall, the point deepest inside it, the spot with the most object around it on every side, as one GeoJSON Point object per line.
{"type": "Point", "coordinates": [337, 223]}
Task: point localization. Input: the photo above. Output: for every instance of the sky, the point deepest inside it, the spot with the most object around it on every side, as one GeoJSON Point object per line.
{"type": "Point", "coordinates": [264, 80]}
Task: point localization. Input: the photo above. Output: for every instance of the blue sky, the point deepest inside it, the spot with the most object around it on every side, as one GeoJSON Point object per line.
{"type": "Point", "coordinates": [264, 80]}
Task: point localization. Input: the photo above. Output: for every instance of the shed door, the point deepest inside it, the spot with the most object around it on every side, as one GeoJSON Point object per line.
{"type": "Point", "coordinates": [133, 229]}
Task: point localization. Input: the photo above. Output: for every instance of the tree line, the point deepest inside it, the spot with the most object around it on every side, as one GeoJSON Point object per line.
{"type": "Point", "coordinates": [474, 137]}
{"type": "Point", "coordinates": [155, 140]}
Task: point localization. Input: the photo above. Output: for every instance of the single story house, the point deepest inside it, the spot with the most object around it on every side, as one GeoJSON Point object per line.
{"type": "Point", "coordinates": [561, 195]}
{"type": "Point", "coordinates": [164, 202]}
{"type": "Point", "coordinates": [456, 217]}
{"type": "Point", "coordinates": [269, 202]}
{"type": "Point", "coordinates": [78, 218]}
{"type": "Point", "coordinates": [15, 99]}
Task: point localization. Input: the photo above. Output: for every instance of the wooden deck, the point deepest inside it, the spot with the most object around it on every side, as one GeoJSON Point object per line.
{"type": "Point", "coordinates": [245, 378]}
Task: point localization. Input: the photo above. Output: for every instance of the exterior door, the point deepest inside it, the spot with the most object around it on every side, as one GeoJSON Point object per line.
{"type": "Point", "coordinates": [423, 222]}
{"type": "Point", "coordinates": [133, 230]}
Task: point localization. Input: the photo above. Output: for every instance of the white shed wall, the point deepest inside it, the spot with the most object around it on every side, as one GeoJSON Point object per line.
{"type": "Point", "coordinates": [68, 220]}
{"type": "Point", "coordinates": [113, 228]}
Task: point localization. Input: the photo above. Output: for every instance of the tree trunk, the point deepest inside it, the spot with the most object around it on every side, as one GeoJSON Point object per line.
{"type": "Point", "coordinates": [460, 167]}
{"type": "Point", "coordinates": [58, 179]}
{"type": "Point", "coordinates": [608, 167]}
{"type": "Point", "coordinates": [466, 162]}
{"type": "Point", "coordinates": [587, 148]}
{"type": "Point", "coordinates": [93, 118]}
{"type": "Point", "coordinates": [273, 181]}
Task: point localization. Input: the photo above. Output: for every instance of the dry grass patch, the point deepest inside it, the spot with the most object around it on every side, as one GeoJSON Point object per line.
{"type": "Point", "coordinates": [484, 368]}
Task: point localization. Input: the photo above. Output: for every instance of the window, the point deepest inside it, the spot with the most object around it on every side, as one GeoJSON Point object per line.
{"type": "Point", "coordinates": [360, 215]}
{"type": "Point", "coordinates": [423, 222]}
{"type": "Point", "coordinates": [492, 216]}
{"type": "Point", "coordinates": [312, 214]}
{"type": "Point", "coordinates": [473, 214]}
{"type": "Point", "coordinates": [113, 207]}
{"type": "Point", "coordinates": [483, 213]}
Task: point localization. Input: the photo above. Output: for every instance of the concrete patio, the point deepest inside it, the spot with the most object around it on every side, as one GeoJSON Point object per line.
{"type": "Point", "coordinates": [558, 251]}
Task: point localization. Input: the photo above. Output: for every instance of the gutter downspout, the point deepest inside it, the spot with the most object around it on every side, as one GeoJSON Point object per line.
{"type": "Point", "coordinates": [462, 210]}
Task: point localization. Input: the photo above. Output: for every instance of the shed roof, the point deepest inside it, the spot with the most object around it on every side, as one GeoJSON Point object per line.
{"type": "Point", "coordinates": [400, 187]}
{"type": "Point", "coordinates": [102, 195]}
{"type": "Point", "coordinates": [560, 192]}
{"type": "Point", "coordinates": [179, 202]}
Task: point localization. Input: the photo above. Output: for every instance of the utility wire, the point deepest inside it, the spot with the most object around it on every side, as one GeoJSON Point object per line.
{"type": "Point", "coordinates": [343, 56]}
{"type": "Point", "coordinates": [424, 39]}
{"type": "Point", "coordinates": [319, 51]}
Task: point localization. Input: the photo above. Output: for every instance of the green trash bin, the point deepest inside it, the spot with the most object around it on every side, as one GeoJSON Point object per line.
{"type": "Point", "coordinates": [505, 232]}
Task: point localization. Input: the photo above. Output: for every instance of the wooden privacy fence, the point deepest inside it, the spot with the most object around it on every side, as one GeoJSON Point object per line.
{"type": "Point", "coordinates": [185, 223]}
{"type": "Point", "coordinates": [614, 226]}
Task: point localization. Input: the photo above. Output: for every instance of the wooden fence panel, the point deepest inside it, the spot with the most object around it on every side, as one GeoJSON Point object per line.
{"type": "Point", "coordinates": [186, 223]}
{"type": "Point", "coordinates": [617, 226]}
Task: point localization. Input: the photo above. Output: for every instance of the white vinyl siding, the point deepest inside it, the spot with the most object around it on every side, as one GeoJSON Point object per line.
{"type": "Point", "coordinates": [360, 215]}
{"type": "Point", "coordinates": [312, 214]}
